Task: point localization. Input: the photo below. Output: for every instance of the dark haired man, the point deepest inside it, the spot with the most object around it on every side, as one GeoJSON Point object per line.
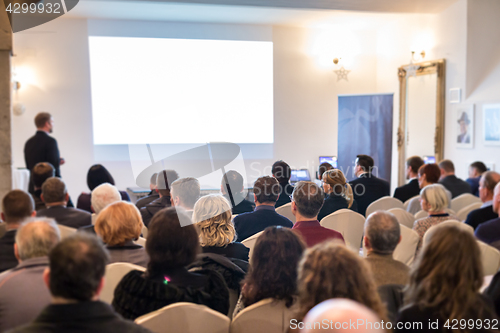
{"type": "Point", "coordinates": [448, 179]}
{"type": "Point", "coordinates": [41, 172]}
{"type": "Point", "coordinates": [476, 170]}
{"type": "Point", "coordinates": [307, 200]}
{"type": "Point", "coordinates": [266, 192]}
{"type": "Point", "coordinates": [42, 147]}
{"type": "Point", "coordinates": [17, 205]}
{"type": "Point", "coordinates": [411, 189]}
{"type": "Point", "coordinates": [75, 278]}
{"type": "Point", "coordinates": [367, 188]}
{"type": "Point", "coordinates": [282, 172]}
{"type": "Point", "coordinates": [231, 188]}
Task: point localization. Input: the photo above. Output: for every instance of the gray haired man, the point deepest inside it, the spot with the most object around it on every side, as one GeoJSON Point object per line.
{"type": "Point", "coordinates": [382, 235]}
{"type": "Point", "coordinates": [22, 290]}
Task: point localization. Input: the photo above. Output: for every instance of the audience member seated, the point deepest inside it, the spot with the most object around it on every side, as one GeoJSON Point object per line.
{"type": "Point", "coordinates": [265, 192]}
{"type": "Point", "coordinates": [433, 200]}
{"type": "Point", "coordinates": [307, 199]}
{"type": "Point", "coordinates": [119, 224]}
{"type": "Point", "coordinates": [342, 311]}
{"type": "Point", "coordinates": [152, 195]}
{"type": "Point", "coordinates": [489, 231]}
{"type": "Point", "coordinates": [282, 172]}
{"type": "Point", "coordinates": [338, 193]}
{"type": "Point", "coordinates": [487, 184]}
{"type": "Point", "coordinates": [273, 272]}
{"type": "Point", "coordinates": [382, 235]}
{"type": "Point", "coordinates": [323, 167]}
{"type": "Point", "coordinates": [445, 282]}
{"type": "Point", "coordinates": [22, 291]}
{"type": "Point", "coordinates": [75, 279]}
{"type": "Point", "coordinates": [232, 182]}
{"type": "Point", "coordinates": [55, 196]}
{"type": "Point", "coordinates": [184, 194]}
{"type": "Point", "coordinates": [476, 170]}
{"type": "Point", "coordinates": [331, 270]}
{"type": "Point", "coordinates": [103, 196]}
{"type": "Point", "coordinates": [367, 187]}
{"type": "Point", "coordinates": [17, 205]}
{"type": "Point", "coordinates": [428, 174]}
{"type": "Point", "coordinates": [96, 176]}
{"type": "Point", "coordinates": [212, 215]}
{"type": "Point", "coordinates": [411, 189]}
{"type": "Point", "coordinates": [41, 172]}
{"type": "Point", "coordinates": [170, 248]}
{"type": "Point", "coordinates": [163, 182]}
{"type": "Point", "coordinates": [453, 184]}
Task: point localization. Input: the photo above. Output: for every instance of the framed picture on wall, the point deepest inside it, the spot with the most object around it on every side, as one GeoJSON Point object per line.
{"type": "Point", "coordinates": [465, 126]}
{"type": "Point", "coordinates": [491, 124]}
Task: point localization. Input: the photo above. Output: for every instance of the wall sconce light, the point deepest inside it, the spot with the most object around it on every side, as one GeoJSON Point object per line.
{"type": "Point", "coordinates": [422, 56]}
{"type": "Point", "coordinates": [342, 72]}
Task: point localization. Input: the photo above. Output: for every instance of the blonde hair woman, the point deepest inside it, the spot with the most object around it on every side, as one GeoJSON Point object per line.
{"type": "Point", "coordinates": [434, 200]}
{"type": "Point", "coordinates": [119, 224]}
{"type": "Point", "coordinates": [445, 282]}
{"type": "Point", "coordinates": [213, 218]}
{"type": "Point", "coordinates": [338, 193]}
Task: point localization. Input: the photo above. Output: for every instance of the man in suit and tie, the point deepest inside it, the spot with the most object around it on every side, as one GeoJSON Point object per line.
{"type": "Point", "coordinates": [489, 231]}
{"type": "Point", "coordinates": [487, 185]}
{"type": "Point", "coordinates": [55, 196]}
{"type": "Point", "coordinates": [266, 192]}
{"type": "Point", "coordinates": [42, 147]}
{"type": "Point", "coordinates": [448, 179]}
{"type": "Point", "coordinates": [411, 189]}
{"type": "Point", "coordinates": [367, 187]}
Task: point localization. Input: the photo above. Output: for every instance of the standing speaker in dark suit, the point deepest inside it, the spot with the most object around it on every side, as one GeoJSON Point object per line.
{"type": "Point", "coordinates": [41, 147]}
{"type": "Point", "coordinates": [367, 187]}
{"type": "Point", "coordinates": [411, 189]}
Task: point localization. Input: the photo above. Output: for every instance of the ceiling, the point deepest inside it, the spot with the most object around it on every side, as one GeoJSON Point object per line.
{"type": "Point", "coordinates": [311, 13]}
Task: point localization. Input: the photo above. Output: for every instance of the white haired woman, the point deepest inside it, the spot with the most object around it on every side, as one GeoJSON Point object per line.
{"type": "Point", "coordinates": [213, 218]}
{"type": "Point", "coordinates": [434, 200]}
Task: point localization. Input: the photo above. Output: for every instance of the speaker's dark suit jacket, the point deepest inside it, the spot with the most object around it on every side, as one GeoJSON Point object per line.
{"type": "Point", "coordinates": [478, 216]}
{"type": "Point", "coordinates": [455, 185]}
{"type": "Point", "coordinates": [248, 224]}
{"type": "Point", "coordinates": [41, 148]}
{"type": "Point", "coordinates": [407, 191]}
{"type": "Point", "coordinates": [70, 217]}
{"type": "Point", "coordinates": [368, 188]}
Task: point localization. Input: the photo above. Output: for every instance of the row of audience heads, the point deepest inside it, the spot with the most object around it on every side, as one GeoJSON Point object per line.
{"type": "Point", "coordinates": [281, 266]}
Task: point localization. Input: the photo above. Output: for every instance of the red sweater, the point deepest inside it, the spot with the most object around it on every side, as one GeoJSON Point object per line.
{"type": "Point", "coordinates": [313, 233]}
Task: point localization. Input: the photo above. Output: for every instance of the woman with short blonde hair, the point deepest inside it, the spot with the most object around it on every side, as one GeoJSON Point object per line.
{"type": "Point", "coordinates": [338, 193]}
{"type": "Point", "coordinates": [213, 218]}
{"type": "Point", "coordinates": [119, 224]}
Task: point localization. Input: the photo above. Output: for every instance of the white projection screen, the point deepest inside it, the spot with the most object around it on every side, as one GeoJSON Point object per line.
{"type": "Point", "coordinates": [181, 91]}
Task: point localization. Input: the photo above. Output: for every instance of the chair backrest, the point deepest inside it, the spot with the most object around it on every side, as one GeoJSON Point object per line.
{"type": "Point", "coordinates": [267, 315]}
{"type": "Point", "coordinates": [144, 231]}
{"type": "Point", "coordinates": [490, 258]}
{"type": "Point", "coordinates": [65, 231]}
{"type": "Point", "coordinates": [463, 200]}
{"type": "Point", "coordinates": [405, 251]}
{"type": "Point", "coordinates": [186, 318]}
{"type": "Point", "coordinates": [421, 214]}
{"type": "Point", "coordinates": [250, 243]}
{"type": "Point", "coordinates": [458, 224]}
{"type": "Point", "coordinates": [141, 241]}
{"type": "Point", "coordinates": [349, 223]}
{"type": "Point", "coordinates": [407, 202]}
{"type": "Point", "coordinates": [384, 203]}
{"type": "Point", "coordinates": [403, 217]}
{"type": "Point", "coordinates": [286, 211]}
{"type": "Point", "coordinates": [462, 213]}
{"type": "Point", "coordinates": [114, 274]}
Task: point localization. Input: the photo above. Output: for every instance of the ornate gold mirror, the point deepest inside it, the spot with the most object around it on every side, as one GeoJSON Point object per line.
{"type": "Point", "coordinates": [421, 112]}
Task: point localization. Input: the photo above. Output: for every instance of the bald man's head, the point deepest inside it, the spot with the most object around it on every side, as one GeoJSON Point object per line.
{"type": "Point", "coordinates": [342, 315]}
{"type": "Point", "coordinates": [382, 232]}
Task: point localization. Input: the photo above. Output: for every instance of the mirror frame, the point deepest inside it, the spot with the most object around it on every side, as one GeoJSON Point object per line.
{"type": "Point", "coordinates": [424, 68]}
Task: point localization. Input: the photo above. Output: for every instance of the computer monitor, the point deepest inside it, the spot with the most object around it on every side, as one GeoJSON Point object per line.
{"type": "Point", "coordinates": [300, 175]}
{"type": "Point", "coordinates": [429, 159]}
{"type": "Point", "coordinates": [329, 159]}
